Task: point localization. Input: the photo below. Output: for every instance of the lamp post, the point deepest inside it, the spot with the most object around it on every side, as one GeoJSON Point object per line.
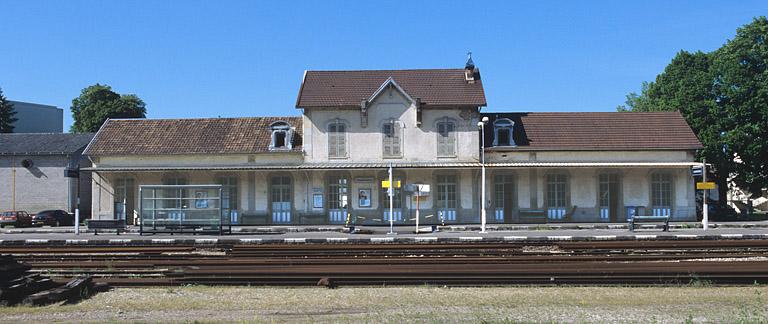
{"type": "Point", "coordinates": [481, 125]}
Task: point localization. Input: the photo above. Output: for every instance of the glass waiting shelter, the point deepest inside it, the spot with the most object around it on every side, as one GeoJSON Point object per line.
{"type": "Point", "coordinates": [182, 209]}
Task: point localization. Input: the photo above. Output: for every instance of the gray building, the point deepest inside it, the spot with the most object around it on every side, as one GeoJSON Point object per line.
{"type": "Point", "coordinates": [32, 172]}
{"type": "Point", "coordinates": [37, 118]}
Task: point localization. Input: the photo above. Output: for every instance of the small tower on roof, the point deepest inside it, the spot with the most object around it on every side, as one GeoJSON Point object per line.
{"type": "Point", "coordinates": [471, 72]}
{"type": "Point", "coordinates": [470, 64]}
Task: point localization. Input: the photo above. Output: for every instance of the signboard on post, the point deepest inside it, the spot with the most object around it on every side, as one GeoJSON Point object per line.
{"type": "Point", "coordinates": [705, 185]}
{"type": "Point", "coordinates": [422, 190]}
{"type": "Point", "coordinates": [385, 184]}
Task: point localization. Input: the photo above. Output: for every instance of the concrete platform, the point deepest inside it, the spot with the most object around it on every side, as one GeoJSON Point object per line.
{"type": "Point", "coordinates": [279, 229]}
{"type": "Point", "coordinates": [379, 236]}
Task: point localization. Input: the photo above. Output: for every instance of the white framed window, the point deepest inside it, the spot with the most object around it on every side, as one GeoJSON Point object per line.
{"type": "Point", "coordinates": [446, 138]}
{"type": "Point", "coordinates": [180, 193]}
{"type": "Point", "coordinates": [556, 195]}
{"type": "Point", "coordinates": [229, 192]}
{"type": "Point", "coordinates": [282, 136]}
{"type": "Point", "coordinates": [502, 132]}
{"type": "Point", "coordinates": [557, 190]}
{"type": "Point", "coordinates": [337, 139]}
{"type": "Point", "coordinates": [661, 194]}
{"type": "Point", "coordinates": [392, 139]}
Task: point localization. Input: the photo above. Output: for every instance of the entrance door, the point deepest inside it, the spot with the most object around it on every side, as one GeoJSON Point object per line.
{"type": "Point", "coordinates": [397, 203]}
{"type": "Point", "coordinates": [338, 199]}
{"type": "Point", "coordinates": [446, 198]}
{"type": "Point", "coordinates": [124, 200]}
{"type": "Point", "coordinates": [281, 199]}
{"type": "Point", "coordinates": [504, 191]}
{"type": "Point", "coordinates": [610, 195]}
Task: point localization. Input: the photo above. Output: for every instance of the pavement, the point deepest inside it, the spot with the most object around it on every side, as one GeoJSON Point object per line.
{"type": "Point", "coordinates": [405, 234]}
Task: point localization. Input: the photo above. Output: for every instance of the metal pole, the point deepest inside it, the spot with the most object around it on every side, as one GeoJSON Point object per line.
{"type": "Point", "coordinates": [418, 193]}
{"type": "Point", "coordinates": [77, 205]}
{"type": "Point", "coordinates": [13, 187]}
{"type": "Point", "coordinates": [705, 211]}
{"type": "Point", "coordinates": [482, 181]}
{"type": "Point", "coordinates": [391, 191]}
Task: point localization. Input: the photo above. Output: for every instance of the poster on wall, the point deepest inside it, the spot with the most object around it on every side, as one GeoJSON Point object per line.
{"type": "Point", "coordinates": [317, 201]}
{"type": "Point", "coordinates": [201, 199]}
{"type": "Point", "coordinates": [364, 198]}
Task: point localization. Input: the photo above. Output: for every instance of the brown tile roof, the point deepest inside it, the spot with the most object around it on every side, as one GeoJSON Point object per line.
{"type": "Point", "coordinates": [349, 88]}
{"type": "Point", "coordinates": [598, 131]}
{"type": "Point", "coordinates": [188, 136]}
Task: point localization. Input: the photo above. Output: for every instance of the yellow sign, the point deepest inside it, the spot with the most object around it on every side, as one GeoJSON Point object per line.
{"type": "Point", "coordinates": [385, 184]}
{"type": "Point", "coordinates": [705, 185]}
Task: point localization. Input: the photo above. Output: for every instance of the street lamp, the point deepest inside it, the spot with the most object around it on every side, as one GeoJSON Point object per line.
{"type": "Point", "coordinates": [481, 125]}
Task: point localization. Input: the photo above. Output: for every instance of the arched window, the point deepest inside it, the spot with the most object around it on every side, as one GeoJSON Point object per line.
{"type": "Point", "coordinates": [282, 135]}
{"type": "Point", "coordinates": [337, 139]}
{"type": "Point", "coordinates": [446, 138]}
{"type": "Point", "coordinates": [392, 139]}
{"type": "Point", "coordinates": [502, 132]}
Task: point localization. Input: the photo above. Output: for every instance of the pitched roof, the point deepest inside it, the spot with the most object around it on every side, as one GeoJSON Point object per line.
{"type": "Point", "coordinates": [42, 143]}
{"type": "Point", "coordinates": [434, 87]}
{"type": "Point", "coordinates": [189, 136]}
{"type": "Point", "coordinates": [597, 131]}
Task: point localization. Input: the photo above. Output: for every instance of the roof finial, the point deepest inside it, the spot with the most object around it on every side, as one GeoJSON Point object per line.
{"type": "Point", "coordinates": [470, 64]}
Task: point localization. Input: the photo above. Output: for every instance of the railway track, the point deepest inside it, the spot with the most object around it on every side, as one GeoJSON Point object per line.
{"type": "Point", "coordinates": [595, 262]}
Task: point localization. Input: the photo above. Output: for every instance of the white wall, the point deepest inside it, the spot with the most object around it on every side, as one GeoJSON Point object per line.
{"type": "Point", "coordinates": [365, 143]}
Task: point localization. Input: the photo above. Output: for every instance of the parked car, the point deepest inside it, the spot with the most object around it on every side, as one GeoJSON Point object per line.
{"type": "Point", "coordinates": [53, 218]}
{"type": "Point", "coordinates": [15, 218]}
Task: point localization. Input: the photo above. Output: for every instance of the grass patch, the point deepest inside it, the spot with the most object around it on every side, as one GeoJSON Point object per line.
{"type": "Point", "coordinates": [687, 303]}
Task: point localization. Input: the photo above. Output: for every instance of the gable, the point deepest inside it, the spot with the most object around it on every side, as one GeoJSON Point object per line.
{"type": "Point", "coordinates": [388, 87]}
{"type": "Point", "coordinates": [432, 87]}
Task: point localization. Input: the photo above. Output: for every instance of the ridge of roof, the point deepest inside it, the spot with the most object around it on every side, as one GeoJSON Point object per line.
{"type": "Point", "coordinates": [203, 118]}
{"type": "Point", "coordinates": [388, 70]}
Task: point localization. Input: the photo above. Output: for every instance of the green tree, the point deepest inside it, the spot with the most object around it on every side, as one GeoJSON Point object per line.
{"type": "Point", "coordinates": [98, 102]}
{"type": "Point", "coordinates": [6, 115]}
{"type": "Point", "coordinates": [741, 89]}
{"type": "Point", "coordinates": [723, 96]}
{"type": "Point", "coordinates": [686, 86]}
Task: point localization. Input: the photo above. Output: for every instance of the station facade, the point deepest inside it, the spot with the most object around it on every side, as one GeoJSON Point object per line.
{"type": "Point", "coordinates": [326, 165]}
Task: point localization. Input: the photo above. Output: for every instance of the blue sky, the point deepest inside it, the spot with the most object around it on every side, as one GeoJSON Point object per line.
{"type": "Point", "coordinates": [247, 58]}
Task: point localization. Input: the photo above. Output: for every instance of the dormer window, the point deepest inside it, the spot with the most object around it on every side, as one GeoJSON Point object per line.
{"type": "Point", "coordinates": [502, 132]}
{"type": "Point", "coordinates": [282, 134]}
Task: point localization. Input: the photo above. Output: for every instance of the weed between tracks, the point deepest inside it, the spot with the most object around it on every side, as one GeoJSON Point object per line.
{"type": "Point", "coordinates": [678, 304]}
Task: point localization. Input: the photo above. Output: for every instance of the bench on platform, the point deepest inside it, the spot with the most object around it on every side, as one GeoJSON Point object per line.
{"type": "Point", "coordinates": [115, 224]}
{"type": "Point", "coordinates": [649, 219]}
{"type": "Point", "coordinates": [533, 216]}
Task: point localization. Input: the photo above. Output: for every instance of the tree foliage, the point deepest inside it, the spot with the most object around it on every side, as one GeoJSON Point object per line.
{"type": "Point", "coordinates": [98, 102]}
{"type": "Point", "coordinates": [741, 88]}
{"type": "Point", "coordinates": [6, 115]}
{"type": "Point", "coordinates": [724, 97]}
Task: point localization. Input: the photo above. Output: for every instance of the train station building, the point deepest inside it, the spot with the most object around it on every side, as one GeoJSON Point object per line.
{"type": "Point", "coordinates": [327, 163]}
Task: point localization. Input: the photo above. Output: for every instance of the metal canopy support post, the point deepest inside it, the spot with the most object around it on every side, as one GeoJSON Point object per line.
{"type": "Point", "coordinates": [482, 168]}
{"type": "Point", "coordinates": [705, 209]}
{"type": "Point", "coordinates": [418, 193]}
{"type": "Point", "coordinates": [390, 192]}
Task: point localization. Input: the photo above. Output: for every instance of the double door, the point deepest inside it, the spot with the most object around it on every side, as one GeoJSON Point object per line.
{"type": "Point", "coordinates": [609, 192]}
{"type": "Point", "coordinates": [281, 199]}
